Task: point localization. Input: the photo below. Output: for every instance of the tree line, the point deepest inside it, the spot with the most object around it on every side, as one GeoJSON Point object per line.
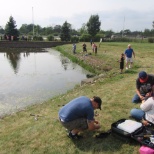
{"type": "Point", "coordinates": [89, 30]}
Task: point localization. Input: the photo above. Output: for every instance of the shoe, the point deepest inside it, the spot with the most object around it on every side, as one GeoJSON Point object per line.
{"type": "Point", "coordinates": [103, 134]}
{"type": "Point", "coordinates": [126, 68]}
{"type": "Point", "coordinates": [129, 66]}
{"type": "Point", "coordinates": [76, 136]}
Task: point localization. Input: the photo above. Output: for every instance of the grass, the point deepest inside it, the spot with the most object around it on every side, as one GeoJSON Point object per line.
{"type": "Point", "coordinates": [20, 133]}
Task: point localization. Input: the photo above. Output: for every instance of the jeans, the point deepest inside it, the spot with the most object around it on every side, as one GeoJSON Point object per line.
{"type": "Point", "coordinates": [137, 114]}
{"type": "Point", "coordinates": [136, 99]}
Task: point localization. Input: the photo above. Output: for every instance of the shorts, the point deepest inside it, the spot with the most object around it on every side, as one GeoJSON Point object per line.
{"type": "Point", "coordinates": [129, 59]}
{"type": "Point", "coordinates": [80, 124]}
{"type": "Point", "coordinates": [121, 65]}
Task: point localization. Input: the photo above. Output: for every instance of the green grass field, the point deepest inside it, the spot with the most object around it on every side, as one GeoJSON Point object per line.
{"type": "Point", "coordinates": [21, 133]}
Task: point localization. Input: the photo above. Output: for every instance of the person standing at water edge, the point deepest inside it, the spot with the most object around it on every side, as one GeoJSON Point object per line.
{"type": "Point", "coordinates": [100, 42]}
{"type": "Point", "coordinates": [78, 115]}
{"type": "Point", "coordinates": [128, 54]}
{"type": "Point", "coordinates": [84, 46]}
{"type": "Point", "coordinates": [91, 41]}
{"type": "Point", "coordinates": [74, 48]}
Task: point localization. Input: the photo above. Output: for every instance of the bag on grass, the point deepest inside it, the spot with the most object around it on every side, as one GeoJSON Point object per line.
{"type": "Point", "coordinates": [146, 150]}
{"type": "Point", "coordinates": [131, 130]}
{"type": "Point", "coordinates": [124, 129]}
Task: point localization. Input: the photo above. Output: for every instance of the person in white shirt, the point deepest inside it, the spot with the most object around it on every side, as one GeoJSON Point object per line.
{"type": "Point", "coordinates": [146, 113]}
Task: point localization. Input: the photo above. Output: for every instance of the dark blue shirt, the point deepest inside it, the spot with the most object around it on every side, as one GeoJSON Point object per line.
{"type": "Point", "coordinates": [80, 107]}
{"type": "Point", "coordinates": [129, 52]}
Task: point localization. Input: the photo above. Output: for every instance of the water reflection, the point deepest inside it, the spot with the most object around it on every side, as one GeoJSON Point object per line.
{"type": "Point", "coordinates": [64, 62]}
{"type": "Point", "coordinates": [28, 78]}
{"type": "Point", "coordinates": [14, 60]}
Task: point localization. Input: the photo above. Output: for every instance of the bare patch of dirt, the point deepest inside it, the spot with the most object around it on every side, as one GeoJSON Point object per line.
{"type": "Point", "coordinates": [93, 61]}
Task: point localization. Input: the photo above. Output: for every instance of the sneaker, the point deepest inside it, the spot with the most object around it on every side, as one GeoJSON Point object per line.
{"type": "Point", "coordinates": [76, 136]}
{"type": "Point", "coordinates": [126, 68]}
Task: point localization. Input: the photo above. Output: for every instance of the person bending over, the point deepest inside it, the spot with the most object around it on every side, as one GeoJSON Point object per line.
{"type": "Point", "coordinates": [78, 115]}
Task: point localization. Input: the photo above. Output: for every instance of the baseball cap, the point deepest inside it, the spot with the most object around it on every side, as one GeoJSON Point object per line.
{"type": "Point", "coordinates": [143, 76]}
{"type": "Point", "coordinates": [98, 100]}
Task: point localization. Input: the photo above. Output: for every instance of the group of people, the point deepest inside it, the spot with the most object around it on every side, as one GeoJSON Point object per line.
{"type": "Point", "coordinates": [78, 115]}
{"type": "Point", "coordinates": [145, 95]}
{"type": "Point", "coordinates": [127, 55]}
{"type": "Point", "coordinates": [94, 47]}
{"type": "Point", "coordinates": [144, 90]}
{"type": "Point", "coordinates": [84, 48]}
{"type": "Point", "coordinates": [129, 52]}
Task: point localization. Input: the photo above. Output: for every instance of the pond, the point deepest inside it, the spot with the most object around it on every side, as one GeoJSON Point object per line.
{"type": "Point", "coordinates": [28, 78]}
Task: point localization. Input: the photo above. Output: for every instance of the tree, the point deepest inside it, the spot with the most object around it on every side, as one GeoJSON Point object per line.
{"type": "Point", "coordinates": [127, 32]}
{"type": "Point", "coordinates": [83, 29]}
{"type": "Point", "coordinates": [93, 25]}
{"type": "Point", "coordinates": [47, 30]}
{"type": "Point", "coordinates": [65, 32]}
{"type": "Point", "coordinates": [57, 29]}
{"type": "Point", "coordinates": [37, 29]}
{"type": "Point", "coordinates": [147, 32]}
{"type": "Point", "coordinates": [10, 28]}
{"type": "Point", "coordinates": [1, 30]}
{"type": "Point", "coordinates": [24, 29]}
{"type": "Point", "coordinates": [153, 24]}
{"type": "Point", "coordinates": [109, 33]}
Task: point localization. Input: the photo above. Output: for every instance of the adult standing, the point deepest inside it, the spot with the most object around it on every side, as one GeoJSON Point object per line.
{"type": "Point", "coordinates": [91, 41]}
{"type": "Point", "coordinates": [93, 47]}
{"type": "Point", "coordinates": [74, 48]}
{"type": "Point", "coordinates": [100, 42]}
{"type": "Point", "coordinates": [144, 87]}
{"type": "Point", "coordinates": [128, 54]}
{"type": "Point", "coordinates": [78, 115]}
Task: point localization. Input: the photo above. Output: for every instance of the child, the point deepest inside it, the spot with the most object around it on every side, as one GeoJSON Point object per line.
{"type": "Point", "coordinates": [121, 61]}
{"type": "Point", "coordinates": [95, 50]}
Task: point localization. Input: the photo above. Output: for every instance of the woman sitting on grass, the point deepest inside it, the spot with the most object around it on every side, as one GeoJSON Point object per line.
{"type": "Point", "coordinates": [146, 113]}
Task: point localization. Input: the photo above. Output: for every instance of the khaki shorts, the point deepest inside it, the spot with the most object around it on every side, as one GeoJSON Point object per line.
{"type": "Point", "coordinates": [80, 124]}
{"type": "Point", "coordinates": [129, 59]}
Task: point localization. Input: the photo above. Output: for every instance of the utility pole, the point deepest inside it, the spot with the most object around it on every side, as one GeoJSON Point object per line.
{"type": "Point", "coordinates": [33, 20]}
{"type": "Point", "coordinates": [123, 27]}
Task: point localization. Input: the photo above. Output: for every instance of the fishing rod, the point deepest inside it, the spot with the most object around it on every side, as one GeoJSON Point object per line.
{"type": "Point", "coordinates": [36, 116]}
{"type": "Point", "coordinates": [144, 135]}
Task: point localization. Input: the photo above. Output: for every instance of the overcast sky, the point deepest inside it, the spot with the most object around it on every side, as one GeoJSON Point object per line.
{"type": "Point", "coordinates": [114, 15]}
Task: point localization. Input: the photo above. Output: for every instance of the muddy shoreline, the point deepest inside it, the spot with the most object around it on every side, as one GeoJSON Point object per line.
{"type": "Point", "coordinates": [7, 45]}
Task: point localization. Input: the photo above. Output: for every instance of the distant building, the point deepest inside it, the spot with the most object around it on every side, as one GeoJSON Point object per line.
{"type": "Point", "coordinates": [57, 38]}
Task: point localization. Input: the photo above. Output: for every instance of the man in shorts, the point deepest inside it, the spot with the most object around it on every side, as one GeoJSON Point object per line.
{"type": "Point", "coordinates": [128, 56]}
{"type": "Point", "coordinates": [78, 115]}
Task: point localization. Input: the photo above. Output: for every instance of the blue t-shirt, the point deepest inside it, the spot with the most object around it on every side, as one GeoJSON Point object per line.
{"type": "Point", "coordinates": [129, 52]}
{"type": "Point", "coordinates": [80, 107]}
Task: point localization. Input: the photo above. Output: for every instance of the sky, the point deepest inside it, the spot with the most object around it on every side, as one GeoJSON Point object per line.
{"type": "Point", "coordinates": [115, 15]}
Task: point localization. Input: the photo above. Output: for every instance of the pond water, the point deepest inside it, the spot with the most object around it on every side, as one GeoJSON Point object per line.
{"type": "Point", "coordinates": [28, 78]}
